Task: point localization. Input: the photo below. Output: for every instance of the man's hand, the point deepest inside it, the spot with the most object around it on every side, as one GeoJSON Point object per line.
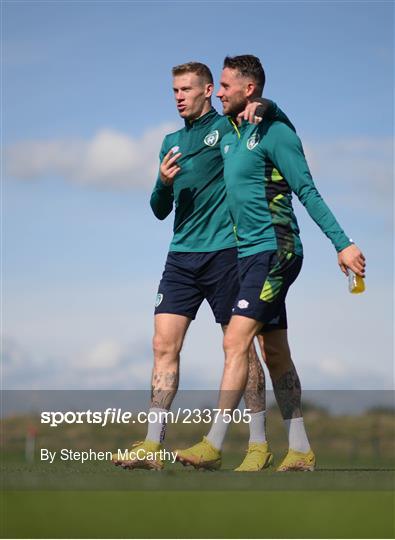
{"type": "Point", "coordinates": [250, 110]}
{"type": "Point", "coordinates": [352, 257]}
{"type": "Point", "coordinates": [249, 113]}
{"type": "Point", "coordinates": [169, 168]}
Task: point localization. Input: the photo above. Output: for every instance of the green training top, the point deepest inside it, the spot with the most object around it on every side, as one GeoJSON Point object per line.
{"type": "Point", "coordinates": [202, 222]}
{"type": "Point", "coordinates": [263, 165]}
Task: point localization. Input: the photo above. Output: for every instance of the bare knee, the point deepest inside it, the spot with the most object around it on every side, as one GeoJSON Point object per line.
{"type": "Point", "coordinates": [235, 346]}
{"type": "Point", "coordinates": [166, 351]}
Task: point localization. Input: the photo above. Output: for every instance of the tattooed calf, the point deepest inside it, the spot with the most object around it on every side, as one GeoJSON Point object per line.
{"type": "Point", "coordinates": [164, 388]}
{"type": "Point", "coordinates": [288, 394]}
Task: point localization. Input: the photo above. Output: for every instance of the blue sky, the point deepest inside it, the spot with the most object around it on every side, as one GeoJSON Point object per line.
{"type": "Point", "coordinates": [87, 99]}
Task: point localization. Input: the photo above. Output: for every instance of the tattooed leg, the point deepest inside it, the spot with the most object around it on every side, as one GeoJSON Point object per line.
{"type": "Point", "coordinates": [164, 387]}
{"type": "Point", "coordinates": [286, 386]}
{"type": "Point", "coordinates": [237, 343]}
{"type": "Point", "coordinates": [255, 390]}
{"type": "Point", "coordinates": [285, 380]}
{"type": "Point", "coordinates": [169, 335]}
{"type": "Point", "coordinates": [288, 394]}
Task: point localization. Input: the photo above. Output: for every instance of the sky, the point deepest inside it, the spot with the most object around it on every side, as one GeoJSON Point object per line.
{"type": "Point", "coordinates": [86, 102]}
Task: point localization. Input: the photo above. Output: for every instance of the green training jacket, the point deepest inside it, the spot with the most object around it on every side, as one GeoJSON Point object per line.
{"type": "Point", "coordinates": [202, 222]}
{"type": "Point", "coordinates": [263, 165]}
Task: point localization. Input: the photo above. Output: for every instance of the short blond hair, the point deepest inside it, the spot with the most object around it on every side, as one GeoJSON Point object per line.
{"type": "Point", "coordinates": [200, 69]}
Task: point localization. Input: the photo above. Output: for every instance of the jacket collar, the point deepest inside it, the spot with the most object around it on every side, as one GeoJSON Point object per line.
{"type": "Point", "coordinates": [239, 129]}
{"type": "Point", "coordinates": [202, 120]}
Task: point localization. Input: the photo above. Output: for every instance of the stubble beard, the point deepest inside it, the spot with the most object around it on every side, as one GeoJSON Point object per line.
{"type": "Point", "coordinates": [236, 108]}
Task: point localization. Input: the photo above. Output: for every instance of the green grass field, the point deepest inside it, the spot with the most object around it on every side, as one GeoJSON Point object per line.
{"type": "Point", "coordinates": [198, 514]}
{"type": "Point", "coordinates": [103, 476]}
{"type": "Point", "coordinates": [350, 495]}
{"type": "Point", "coordinates": [97, 500]}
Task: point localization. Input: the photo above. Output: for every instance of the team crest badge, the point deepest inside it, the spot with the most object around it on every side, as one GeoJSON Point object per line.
{"type": "Point", "coordinates": [212, 138]}
{"type": "Point", "coordinates": [226, 148]}
{"type": "Point", "coordinates": [253, 141]}
{"type": "Point", "coordinates": [159, 298]}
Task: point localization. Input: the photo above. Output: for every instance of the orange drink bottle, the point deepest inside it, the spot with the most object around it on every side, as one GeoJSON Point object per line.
{"type": "Point", "coordinates": [356, 283]}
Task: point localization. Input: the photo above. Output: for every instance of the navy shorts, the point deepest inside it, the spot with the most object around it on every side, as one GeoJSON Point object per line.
{"type": "Point", "coordinates": [264, 282]}
{"type": "Point", "coordinates": [189, 278]}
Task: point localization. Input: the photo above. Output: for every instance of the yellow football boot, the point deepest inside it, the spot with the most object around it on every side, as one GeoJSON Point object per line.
{"type": "Point", "coordinates": [297, 461]}
{"type": "Point", "coordinates": [142, 455]}
{"type": "Point", "coordinates": [258, 458]}
{"type": "Point", "coordinates": [202, 455]}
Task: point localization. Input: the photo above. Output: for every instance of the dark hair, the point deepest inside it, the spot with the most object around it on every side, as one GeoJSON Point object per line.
{"type": "Point", "coordinates": [248, 66]}
{"type": "Point", "coordinates": [201, 71]}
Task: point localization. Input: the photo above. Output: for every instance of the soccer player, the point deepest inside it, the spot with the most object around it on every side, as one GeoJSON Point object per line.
{"type": "Point", "coordinates": [263, 165]}
{"type": "Point", "coordinates": [202, 260]}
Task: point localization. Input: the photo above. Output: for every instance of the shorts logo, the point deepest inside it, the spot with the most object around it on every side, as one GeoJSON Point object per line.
{"type": "Point", "coordinates": [253, 141]}
{"type": "Point", "coordinates": [212, 138]}
{"type": "Point", "coordinates": [243, 304]}
{"type": "Point", "coordinates": [159, 298]}
{"type": "Point", "coordinates": [226, 148]}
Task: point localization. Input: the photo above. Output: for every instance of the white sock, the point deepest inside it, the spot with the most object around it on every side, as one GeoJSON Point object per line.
{"type": "Point", "coordinates": [257, 427]}
{"type": "Point", "coordinates": [156, 425]}
{"type": "Point", "coordinates": [297, 437]}
{"type": "Point", "coordinates": [218, 431]}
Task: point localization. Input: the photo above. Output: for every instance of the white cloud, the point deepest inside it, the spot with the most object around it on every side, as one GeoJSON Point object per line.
{"type": "Point", "coordinates": [360, 169]}
{"type": "Point", "coordinates": [110, 158]}
{"type": "Point", "coordinates": [328, 328]}
{"type": "Point", "coordinates": [13, 356]}
{"type": "Point", "coordinates": [333, 367]}
{"type": "Point", "coordinates": [106, 365]}
{"type": "Point", "coordinates": [104, 355]}
{"type": "Point", "coordinates": [114, 364]}
{"type": "Point", "coordinates": [21, 369]}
